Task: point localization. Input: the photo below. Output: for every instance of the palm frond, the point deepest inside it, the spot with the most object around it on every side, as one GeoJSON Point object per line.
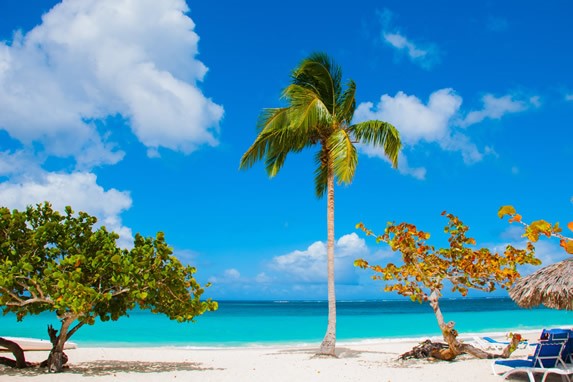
{"type": "Point", "coordinates": [270, 121]}
{"type": "Point", "coordinates": [347, 103]}
{"type": "Point", "coordinates": [380, 134]}
{"type": "Point", "coordinates": [319, 74]}
{"type": "Point", "coordinates": [343, 155]}
{"type": "Point", "coordinates": [307, 109]}
{"type": "Point", "coordinates": [277, 138]}
{"type": "Point", "coordinates": [274, 162]}
{"type": "Point", "coordinates": [334, 69]}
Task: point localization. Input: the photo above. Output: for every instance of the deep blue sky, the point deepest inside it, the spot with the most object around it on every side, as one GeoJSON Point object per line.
{"type": "Point", "coordinates": [138, 112]}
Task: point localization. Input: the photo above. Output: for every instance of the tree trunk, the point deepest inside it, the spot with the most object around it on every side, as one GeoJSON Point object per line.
{"type": "Point", "coordinates": [448, 331]}
{"type": "Point", "coordinates": [57, 358]}
{"type": "Point", "coordinates": [455, 347]}
{"type": "Point", "coordinates": [18, 353]}
{"type": "Point", "coordinates": [327, 347]}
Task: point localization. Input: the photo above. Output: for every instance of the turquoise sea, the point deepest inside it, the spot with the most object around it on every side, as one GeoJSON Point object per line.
{"type": "Point", "coordinates": [239, 323]}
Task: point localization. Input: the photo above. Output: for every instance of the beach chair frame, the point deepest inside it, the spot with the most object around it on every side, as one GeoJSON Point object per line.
{"type": "Point", "coordinates": [546, 360]}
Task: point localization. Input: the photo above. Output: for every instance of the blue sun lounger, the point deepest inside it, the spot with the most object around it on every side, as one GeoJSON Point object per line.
{"type": "Point", "coordinates": [550, 357]}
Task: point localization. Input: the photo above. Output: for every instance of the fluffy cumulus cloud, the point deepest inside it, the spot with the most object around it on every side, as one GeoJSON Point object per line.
{"type": "Point", "coordinates": [424, 54]}
{"type": "Point", "coordinates": [439, 120]}
{"type": "Point", "coordinates": [92, 59]}
{"type": "Point", "coordinates": [417, 121]}
{"type": "Point", "coordinates": [309, 265]}
{"type": "Point", "coordinates": [88, 63]}
{"type": "Point", "coordinates": [430, 122]}
{"type": "Point", "coordinates": [78, 190]}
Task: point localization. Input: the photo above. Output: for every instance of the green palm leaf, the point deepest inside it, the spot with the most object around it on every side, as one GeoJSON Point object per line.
{"type": "Point", "coordinates": [347, 103]}
{"type": "Point", "coordinates": [344, 156]}
{"type": "Point", "coordinates": [381, 134]}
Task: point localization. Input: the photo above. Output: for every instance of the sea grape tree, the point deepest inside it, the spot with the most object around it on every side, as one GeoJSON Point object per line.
{"type": "Point", "coordinates": [537, 228]}
{"type": "Point", "coordinates": [63, 264]}
{"type": "Point", "coordinates": [425, 271]}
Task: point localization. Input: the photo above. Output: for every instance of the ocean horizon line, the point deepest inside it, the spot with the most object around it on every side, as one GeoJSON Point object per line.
{"type": "Point", "coordinates": [400, 299]}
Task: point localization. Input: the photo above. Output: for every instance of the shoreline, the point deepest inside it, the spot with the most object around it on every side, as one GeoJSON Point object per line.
{"type": "Point", "coordinates": [357, 361]}
{"type": "Point", "coordinates": [498, 334]}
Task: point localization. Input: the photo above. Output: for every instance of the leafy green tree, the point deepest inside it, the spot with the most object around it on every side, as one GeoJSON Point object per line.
{"type": "Point", "coordinates": [319, 113]}
{"type": "Point", "coordinates": [425, 270]}
{"type": "Point", "coordinates": [61, 263]}
{"type": "Point", "coordinates": [533, 230]}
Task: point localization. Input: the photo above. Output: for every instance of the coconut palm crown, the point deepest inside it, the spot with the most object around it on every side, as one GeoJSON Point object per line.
{"type": "Point", "coordinates": [319, 113]}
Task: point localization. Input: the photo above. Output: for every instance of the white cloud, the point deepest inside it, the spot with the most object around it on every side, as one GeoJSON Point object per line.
{"type": "Point", "coordinates": [18, 163]}
{"type": "Point", "coordinates": [459, 142]}
{"type": "Point", "coordinates": [496, 107]}
{"type": "Point", "coordinates": [568, 97]}
{"type": "Point", "coordinates": [403, 165]}
{"type": "Point", "coordinates": [426, 55]}
{"type": "Point", "coordinates": [309, 265]}
{"type": "Point", "coordinates": [415, 120]}
{"type": "Point", "coordinates": [78, 190]}
{"type": "Point", "coordinates": [418, 122]}
{"type": "Point", "coordinates": [230, 275]}
{"type": "Point", "coordinates": [436, 121]}
{"type": "Point", "coordinates": [263, 278]}
{"type": "Point", "coordinates": [92, 59]}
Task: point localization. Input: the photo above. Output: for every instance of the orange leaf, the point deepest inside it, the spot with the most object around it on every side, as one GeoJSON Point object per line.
{"type": "Point", "coordinates": [570, 226]}
{"type": "Point", "coordinates": [568, 245]}
{"type": "Point", "coordinates": [516, 218]}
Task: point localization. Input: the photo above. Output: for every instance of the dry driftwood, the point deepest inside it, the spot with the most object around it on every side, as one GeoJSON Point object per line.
{"type": "Point", "coordinates": [425, 349]}
{"type": "Point", "coordinates": [447, 352]}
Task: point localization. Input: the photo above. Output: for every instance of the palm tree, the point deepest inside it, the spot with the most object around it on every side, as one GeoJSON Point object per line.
{"type": "Point", "coordinates": [319, 113]}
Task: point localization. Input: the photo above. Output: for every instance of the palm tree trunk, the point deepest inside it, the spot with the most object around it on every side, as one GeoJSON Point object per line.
{"type": "Point", "coordinates": [328, 343]}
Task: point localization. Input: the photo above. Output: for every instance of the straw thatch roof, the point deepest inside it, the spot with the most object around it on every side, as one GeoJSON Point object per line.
{"type": "Point", "coordinates": [551, 286]}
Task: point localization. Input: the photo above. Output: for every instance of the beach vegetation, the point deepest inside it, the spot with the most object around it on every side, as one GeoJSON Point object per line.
{"type": "Point", "coordinates": [318, 113]}
{"type": "Point", "coordinates": [426, 271]}
{"type": "Point", "coordinates": [63, 263]}
{"type": "Point", "coordinates": [534, 230]}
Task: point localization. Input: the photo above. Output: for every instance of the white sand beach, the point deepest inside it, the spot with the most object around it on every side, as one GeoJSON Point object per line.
{"type": "Point", "coordinates": [366, 361]}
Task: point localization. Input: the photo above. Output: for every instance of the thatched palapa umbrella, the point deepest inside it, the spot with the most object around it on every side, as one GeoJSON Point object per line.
{"type": "Point", "coordinates": [551, 286]}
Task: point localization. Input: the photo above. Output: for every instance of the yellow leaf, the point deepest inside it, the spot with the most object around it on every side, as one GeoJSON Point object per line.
{"type": "Point", "coordinates": [506, 210]}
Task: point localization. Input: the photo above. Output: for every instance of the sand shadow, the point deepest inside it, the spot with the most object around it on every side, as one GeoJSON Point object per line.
{"type": "Point", "coordinates": [103, 368]}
